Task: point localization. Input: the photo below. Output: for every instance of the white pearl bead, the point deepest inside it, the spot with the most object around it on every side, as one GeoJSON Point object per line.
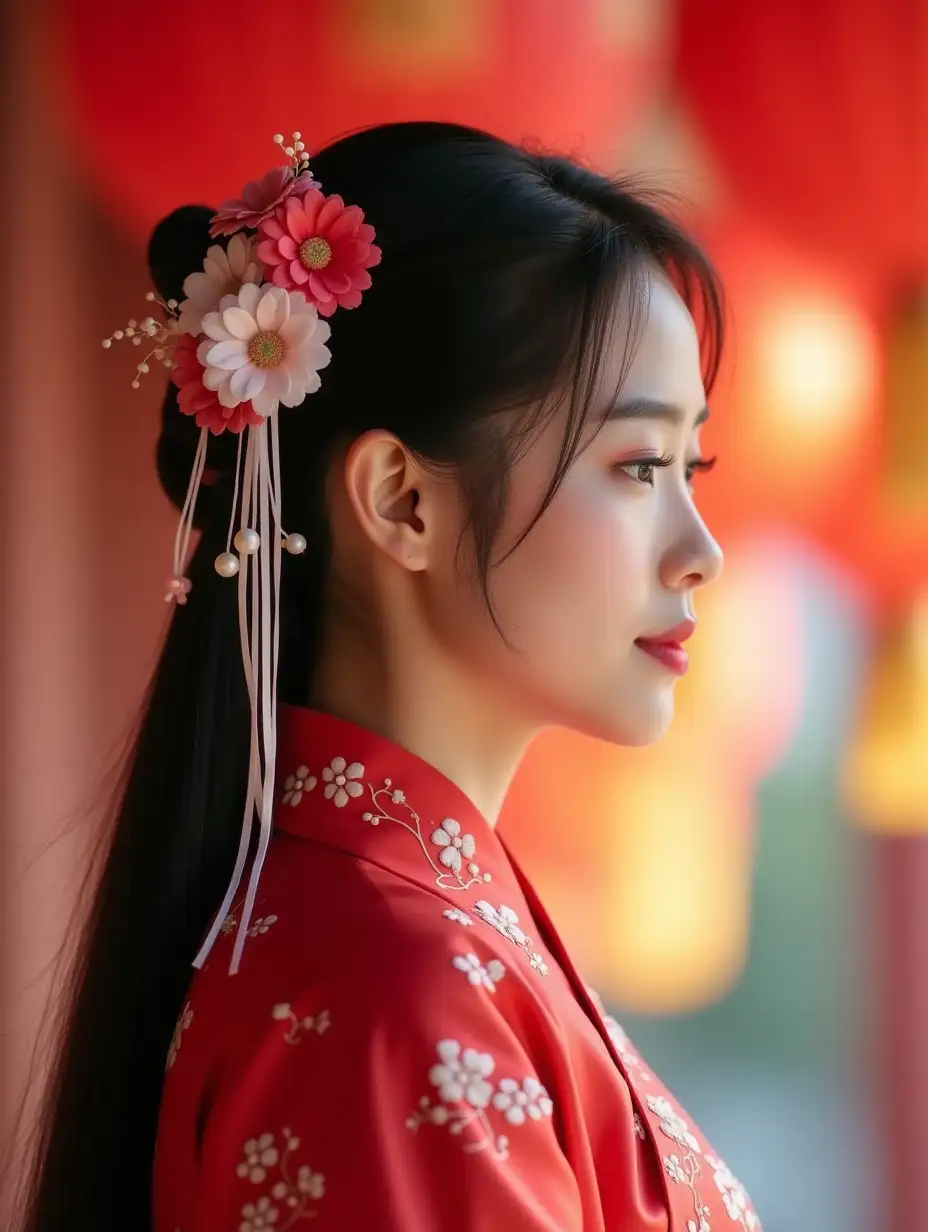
{"type": "Point", "coordinates": [247, 541]}
{"type": "Point", "coordinates": [295, 544]}
{"type": "Point", "coordinates": [226, 565]}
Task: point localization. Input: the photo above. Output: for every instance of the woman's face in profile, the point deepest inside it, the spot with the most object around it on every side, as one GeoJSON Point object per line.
{"type": "Point", "coordinates": [616, 559]}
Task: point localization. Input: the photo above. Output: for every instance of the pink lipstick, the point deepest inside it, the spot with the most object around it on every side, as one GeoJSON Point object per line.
{"type": "Point", "coordinates": [667, 647]}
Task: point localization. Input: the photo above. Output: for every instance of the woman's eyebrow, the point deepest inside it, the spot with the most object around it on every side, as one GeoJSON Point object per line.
{"type": "Point", "coordinates": [653, 408]}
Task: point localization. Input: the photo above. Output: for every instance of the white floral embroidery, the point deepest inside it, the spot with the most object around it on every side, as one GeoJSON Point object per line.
{"type": "Point", "coordinates": [259, 925]}
{"type": "Point", "coordinates": [518, 1102]}
{"type": "Point", "coordinates": [293, 1193]}
{"type": "Point", "coordinates": [257, 1216]}
{"type": "Point", "coordinates": [461, 1080]}
{"type": "Point", "coordinates": [477, 974]}
{"type": "Point", "coordinates": [459, 917]}
{"type": "Point", "coordinates": [639, 1127]}
{"type": "Point", "coordinates": [737, 1203]}
{"type": "Point", "coordinates": [672, 1124]}
{"type": "Point", "coordinates": [296, 785]}
{"type": "Point", "coordinates": [260, 1154]}
{"type": "Point", "coordinates": [506, 922]}
{"type": "Point", "coordinates": [341, 781]}
{"type": "Point", "coordinates": [448, 868]}
{"type": "Point", "coordinates": [620, 1041]}
{"type": "Point", "coordinates": [503, 919]}
{"type": "Point", "coordinates": [186, 1018]}
{"type": "Point", "coordinates": [319, 1023]}
{"type": "Point", "coordinates": [455, 844]}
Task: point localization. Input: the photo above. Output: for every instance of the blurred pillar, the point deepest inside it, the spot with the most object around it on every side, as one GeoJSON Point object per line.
{"type": "Point", "coordinates": [898, 1068]}
{"type": "Point", "coordinates": [45, 589]}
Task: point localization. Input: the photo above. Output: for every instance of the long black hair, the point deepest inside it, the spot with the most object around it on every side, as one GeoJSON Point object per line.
{"type": "Point", "coordinates": [499, 285]}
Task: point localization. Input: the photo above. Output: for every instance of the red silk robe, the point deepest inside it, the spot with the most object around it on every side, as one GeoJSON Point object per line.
{"type": "Point", "coordinates": [407, 1046]}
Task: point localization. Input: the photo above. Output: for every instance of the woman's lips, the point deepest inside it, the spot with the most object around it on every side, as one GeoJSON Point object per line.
{"type": "Point", "coordinates": [667, 647]}
{"type": "Point", "coordinates": [669, 654]}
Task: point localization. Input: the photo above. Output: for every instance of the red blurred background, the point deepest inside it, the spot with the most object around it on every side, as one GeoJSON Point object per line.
{"type": "Point", "coordinates": [797, 137]}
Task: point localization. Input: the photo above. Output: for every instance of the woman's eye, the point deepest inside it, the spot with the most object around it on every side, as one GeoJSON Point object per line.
{"type": "Point", "coordinates": [644, 471]}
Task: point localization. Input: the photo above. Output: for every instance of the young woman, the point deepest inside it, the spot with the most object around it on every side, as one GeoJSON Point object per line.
{"type": "Point", "coordinates": [494, 486]}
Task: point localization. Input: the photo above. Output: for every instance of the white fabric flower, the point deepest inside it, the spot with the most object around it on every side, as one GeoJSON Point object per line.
{"type": "Point", "coordinates": [731, 1189]}
{"type": "Point", "coordinates": [639, 1129]}
{"type": "Point", "coordinates": [459, 917]}
{"type": "Point", "coordinates": [489, 976]}
{"type": "Point", "coordinates": [297, 784]}
{"type": "Point", "coordinates": [455, 844]}
{"type": "Point", "coordinates": [462, 1075]}
{"type": "Point", "coordinates": [503, 919]}
{"type": "Point", "coordinates": [702, 1226]}
{"type": "Point", "coordinates": [264, 345]}
{"type": "Point", "coordinates": [672, 1124]}
{"type": "Point", "coordinates": [224, 272]}
{"type": "Point", "coordinates": [257, 1216]}
{"type": "Point", "coordinates": [309, 1182]}
{"type": "Point", "coordinates": [518, 1102]}
{"type": "Point", "coordinates": [339, 781]}
{"type": "Point", "coordinates": [260, 1154]}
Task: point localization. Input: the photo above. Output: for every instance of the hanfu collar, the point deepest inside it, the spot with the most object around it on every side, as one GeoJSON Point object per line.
{"type": "Point", "coordinates": [348, 787]}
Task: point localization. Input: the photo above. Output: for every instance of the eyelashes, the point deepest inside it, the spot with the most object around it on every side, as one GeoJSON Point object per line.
{"type": "Point", "coordinates": [650, 465]}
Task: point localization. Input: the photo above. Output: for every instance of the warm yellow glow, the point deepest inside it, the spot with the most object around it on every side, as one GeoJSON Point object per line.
{"type": "Point", "coordinates": [886, 776]}
{"type": "Point", "coordinates": [674, 928]}
{"type": "Point", "coordinates": [812, 378]}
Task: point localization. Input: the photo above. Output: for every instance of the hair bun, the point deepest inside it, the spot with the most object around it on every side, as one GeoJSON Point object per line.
{"type": "Point", "coordinates": [178, 246]}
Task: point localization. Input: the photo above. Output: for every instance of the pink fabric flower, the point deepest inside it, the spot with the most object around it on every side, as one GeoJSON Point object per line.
{"type": "Point", "coordinates": [259, 200]}
{"type": "Point", "coordinates": [194, 398]}
{"type": "Point", "coordinates": [321, 247]}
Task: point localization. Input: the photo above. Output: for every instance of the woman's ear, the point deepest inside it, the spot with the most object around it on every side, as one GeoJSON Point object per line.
{"type": "Point", "coordinates": [389, 494]}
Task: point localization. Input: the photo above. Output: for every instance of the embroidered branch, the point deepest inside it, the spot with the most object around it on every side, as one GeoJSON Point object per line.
{"type": "Point", "coordinates": [461, 1081]}
{"type": "Point", "coordinates": [261, 1155]}
{"type": "Point", "coordinates": [319, 1023]}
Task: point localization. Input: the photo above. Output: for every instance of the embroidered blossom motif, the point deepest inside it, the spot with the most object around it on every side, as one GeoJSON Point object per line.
{"type": "Point", "coordinates": [620, 1041]}
{"type": "Point", "coordinates": [448, 870]}
{"type": "Point", "coordinates": [455, 844]}
{"type": "Point", "coordinates": [257, 1216]}
{"type": "Point", "coordinates": [477, 974]}
{"type": "Point", "coordinates": [294, 1193]}
{"type": "Point", "coordinates": [459, 917]}
{"type": "Point", "coordinates": [506, 922]}
{"type": "Point", "coordinates": [737, 1203]}
{"type": "Point", "coordinates": [261, 925]}
{"type": "Point", "coordinates": [462, 1082]}
{"type": "Point", "coordinates": [319, 1023]}
{"type": "Point", "coordinates": [639, 1127]}
{"type": "Point", "coordinates": [684, 1168]}
{"type": "Point", "coordinates": [516, 1102]}
{"type": "Point", "coordinates": [296, 785]}
{"type": "Point", "coordinates": [340, 781]}
{"type": "Point", "coordinates": [672, 1124]}
{"type": "Point", "coordinates": [260, 1154]}
{"type": "Point", "coordinates": [183, 1023]}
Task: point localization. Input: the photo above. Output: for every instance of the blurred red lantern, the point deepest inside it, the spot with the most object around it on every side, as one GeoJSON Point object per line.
{"type": "Point", "coordinates": [180, 105]}
{"type": "Point", "coordinates": [817, 114]}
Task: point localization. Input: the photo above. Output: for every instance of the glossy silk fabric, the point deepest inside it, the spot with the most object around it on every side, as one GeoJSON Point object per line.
{"type": "Point", "coordinates": [407, 1046]}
